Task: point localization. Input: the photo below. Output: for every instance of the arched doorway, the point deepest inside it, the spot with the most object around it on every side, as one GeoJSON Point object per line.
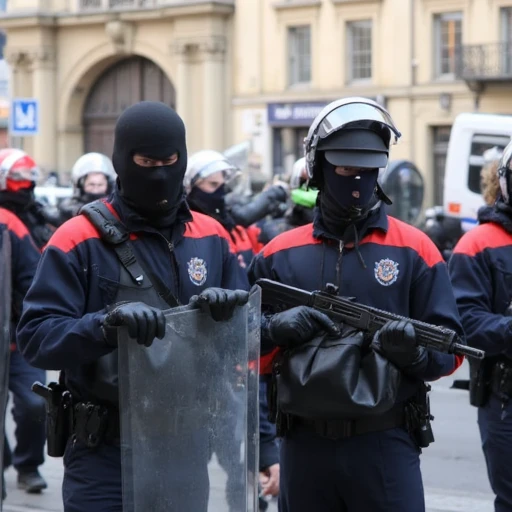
{"type": "Point", "coordinates": [127, 82]}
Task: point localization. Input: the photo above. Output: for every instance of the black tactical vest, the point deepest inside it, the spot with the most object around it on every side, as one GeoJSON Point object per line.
{"type": "Point", "coordinates": [134, 286]}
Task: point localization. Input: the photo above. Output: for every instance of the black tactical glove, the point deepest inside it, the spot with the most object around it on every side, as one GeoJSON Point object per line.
{"type": "Point", "coordinates": [396, 341]}
{"type": "Point", "coordinates": [144, 322]}
{"type": "Point", "coordinates": [219, 303]}
{"type": "Point", "coordinates": [299, 325]}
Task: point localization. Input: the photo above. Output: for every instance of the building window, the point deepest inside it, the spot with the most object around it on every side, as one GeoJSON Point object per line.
{"type": "Point", "coordinates": [299, 55]}
{"type": "Point", "coordinates": [506, 37]}
{"type": "Point", "coordinates": [448, 43]}
{"type": "Point", "coordinates": [441, 136]}
{"type": "Point", "coordinates": [359, 46]}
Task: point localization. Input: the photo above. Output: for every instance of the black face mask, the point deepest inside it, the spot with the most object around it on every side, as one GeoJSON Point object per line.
{"type": "Point", "coordinates": [89, 197]}
{"type": "Point", "coordinates": [338, 205]}
{"type": "Point", "coordinates": [155, 131]}
{"type": "Point", "coordinates": [212, 204]}
{"type": "Point", "coordinates": [341, 189]}
{"type": "Point", "coordinates": [19, 200]}
{"type": "Point", "coordinates": [209, 202]}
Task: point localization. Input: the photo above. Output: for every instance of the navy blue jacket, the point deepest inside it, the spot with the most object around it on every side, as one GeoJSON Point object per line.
{"type": "Point", "coordinates": [481, 273]}
{"type": "Point", "coordinates": [405, 274]}
{"type": "Point", "coordinates": [24, 259]}
{"type": "Point", "coordinates": [79, 275]}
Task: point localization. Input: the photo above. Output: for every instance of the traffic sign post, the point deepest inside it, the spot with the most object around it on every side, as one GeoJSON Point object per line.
{"type": "Point", "coordinates": [24, 117]}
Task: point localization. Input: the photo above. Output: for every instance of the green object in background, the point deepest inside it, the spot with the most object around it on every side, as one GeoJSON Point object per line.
{"type": "Point", "coordinates": [304, 197]}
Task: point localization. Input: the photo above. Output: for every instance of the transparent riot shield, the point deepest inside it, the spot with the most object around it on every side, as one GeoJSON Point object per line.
{"type": "Point", "coordinates": [189, 414]}
{"type": "Point", "coordinates": [5, 320]}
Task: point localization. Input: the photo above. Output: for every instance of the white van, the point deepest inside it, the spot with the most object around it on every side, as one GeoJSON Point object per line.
{"type": "Point", "coordinates": [471, 135]}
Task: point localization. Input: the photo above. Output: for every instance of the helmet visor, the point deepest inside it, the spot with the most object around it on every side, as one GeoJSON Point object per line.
{"type": "Point", "coordinates": [359, 115]}
{"type": "Point", "coordinates": [506, 160]}
{"type": "Point", "coordinates": [229, 172]}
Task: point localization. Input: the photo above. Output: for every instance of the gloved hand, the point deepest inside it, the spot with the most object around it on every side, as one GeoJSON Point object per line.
{"type": "Point", "coordinates": [299, 325]}
{"type": "Point", "coordinates": [144, 322]}
{"type": "Point", "coordinates": [219, 303]}
{"type": "Point", "coordinates": [396, 341]}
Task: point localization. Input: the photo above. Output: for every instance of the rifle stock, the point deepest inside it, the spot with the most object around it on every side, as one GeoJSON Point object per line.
{"type": "Point", "coordinates": [363, 317]}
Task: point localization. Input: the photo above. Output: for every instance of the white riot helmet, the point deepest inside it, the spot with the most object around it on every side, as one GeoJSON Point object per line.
{"type": "Point", "coordinates": [205, 163]}
{"type": "Point", "coordinates": [492, 154]}
{"type": "Point", "coordinates": [92, 163]}
{"type": "Point", "coordinates": [299, 174]}
{"type": "Point", "coordinates": [505, 174]}
{"type": "Point", "coordinates": [351, 114]}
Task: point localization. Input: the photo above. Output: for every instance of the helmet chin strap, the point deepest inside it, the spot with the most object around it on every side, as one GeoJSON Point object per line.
{"type": "Point", "coordinates": [382, 195]}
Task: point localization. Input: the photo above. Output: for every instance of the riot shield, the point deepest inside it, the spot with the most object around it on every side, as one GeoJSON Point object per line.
{"type": "Point", "coordinates": [5, 321]}
{"type": "Point", "coordinates": [189, 414]}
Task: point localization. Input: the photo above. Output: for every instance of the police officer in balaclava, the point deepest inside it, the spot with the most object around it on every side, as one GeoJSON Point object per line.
{"type": "Point", "coordinates": [120, 263]}
{"type": "Point", "coordinates": [348, 170]}
{"type": "Point", "coordinates": [150, 158]}
{"type": "Point", "coordinates": [353, 249]}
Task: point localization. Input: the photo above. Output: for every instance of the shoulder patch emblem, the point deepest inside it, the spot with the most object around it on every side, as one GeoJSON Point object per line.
{"type": "Point", "coordinates": [386, 272]}
{"type": "Point", "coordinates": [197, 271]}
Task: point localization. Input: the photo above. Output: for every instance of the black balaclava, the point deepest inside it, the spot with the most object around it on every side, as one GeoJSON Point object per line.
{"type": "Point", "coordinates": [349, 200]}
{"type": "Point", "coordinates": [212, 204]}
{"type": "Point", "coordinates": [338, 205]}
{"type": "Point", "coordinates": [33, 214]}
{"type": "Point", "coordinates": [154, 130]}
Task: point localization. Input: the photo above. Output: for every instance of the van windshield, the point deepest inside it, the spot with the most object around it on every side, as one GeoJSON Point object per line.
{"type": "Point", "coordinates": [480, 144]}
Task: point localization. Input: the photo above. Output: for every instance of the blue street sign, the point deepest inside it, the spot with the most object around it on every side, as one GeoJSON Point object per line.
{"type": "Point", "coordinates": [24, 117]}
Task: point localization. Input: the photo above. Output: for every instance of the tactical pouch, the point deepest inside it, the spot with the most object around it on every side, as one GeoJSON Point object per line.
{"type": "Point", "coordinates": [91, 422]}
{"type": "Point", "coordinates": [480, 381]}
{"type": "Point", "coordinates": [418, 417]}
{"type": "Point", "coordinates": [334, 378]}
{"type": "Point", "coordinates": [59, 416]}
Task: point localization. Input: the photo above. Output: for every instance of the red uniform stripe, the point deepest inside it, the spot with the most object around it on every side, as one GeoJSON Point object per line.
{"type": "Point", "coordinates": [13, 223]}
{"type": "Point", "coordinates": [484, 236]}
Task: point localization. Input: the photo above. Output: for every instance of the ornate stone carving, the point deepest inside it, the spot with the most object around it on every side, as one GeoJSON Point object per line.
{"type": "Point", "coordinates": [30, 56]}
{"type": "Point", "coordinates": [15, 57]}
{"type": "Point", "coordinates": [121, 35]}
{"type": "Point", "coordinates": [207, 45]}
{"type": "Point", "coordinates": [213, 44]}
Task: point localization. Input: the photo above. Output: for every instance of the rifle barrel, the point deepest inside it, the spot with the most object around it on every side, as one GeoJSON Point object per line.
{"type": "Point", "coordinates": [464, 350]}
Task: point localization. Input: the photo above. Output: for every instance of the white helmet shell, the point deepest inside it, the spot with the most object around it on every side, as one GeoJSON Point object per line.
{"type": "Point", "coordinates": [350, 112]}
{"type": "Point", "coordinates": [505, 173]}
{"type": "Point", "coordinates": [205, 163]}
{"type": "Point", "coordinates": [92, 162]}
{"type": "Point", "coordinates": [492, 154]}
{"type": "Point", "coordinates": [299, 173]}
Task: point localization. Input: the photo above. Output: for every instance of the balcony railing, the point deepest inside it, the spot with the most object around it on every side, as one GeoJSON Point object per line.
{"type": "Point", "coordinates": [104, 5]}
{"type": "Point", "coordinates": [486, 62]}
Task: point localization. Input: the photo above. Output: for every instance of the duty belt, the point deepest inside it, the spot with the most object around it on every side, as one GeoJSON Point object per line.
{"type": "Point", "coordinates": [501, 378]}
{"type": "Point", "coordinates": [344, 429]}
{"type": "Point", "coordinates": [95, 424]}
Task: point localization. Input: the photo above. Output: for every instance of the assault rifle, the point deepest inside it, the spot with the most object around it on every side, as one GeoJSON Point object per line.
{"type": "Point", "coordinates": [362, 317]}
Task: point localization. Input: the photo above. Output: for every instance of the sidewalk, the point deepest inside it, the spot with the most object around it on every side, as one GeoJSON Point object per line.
{"type": "Point", "coordinates": [49, 500]}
